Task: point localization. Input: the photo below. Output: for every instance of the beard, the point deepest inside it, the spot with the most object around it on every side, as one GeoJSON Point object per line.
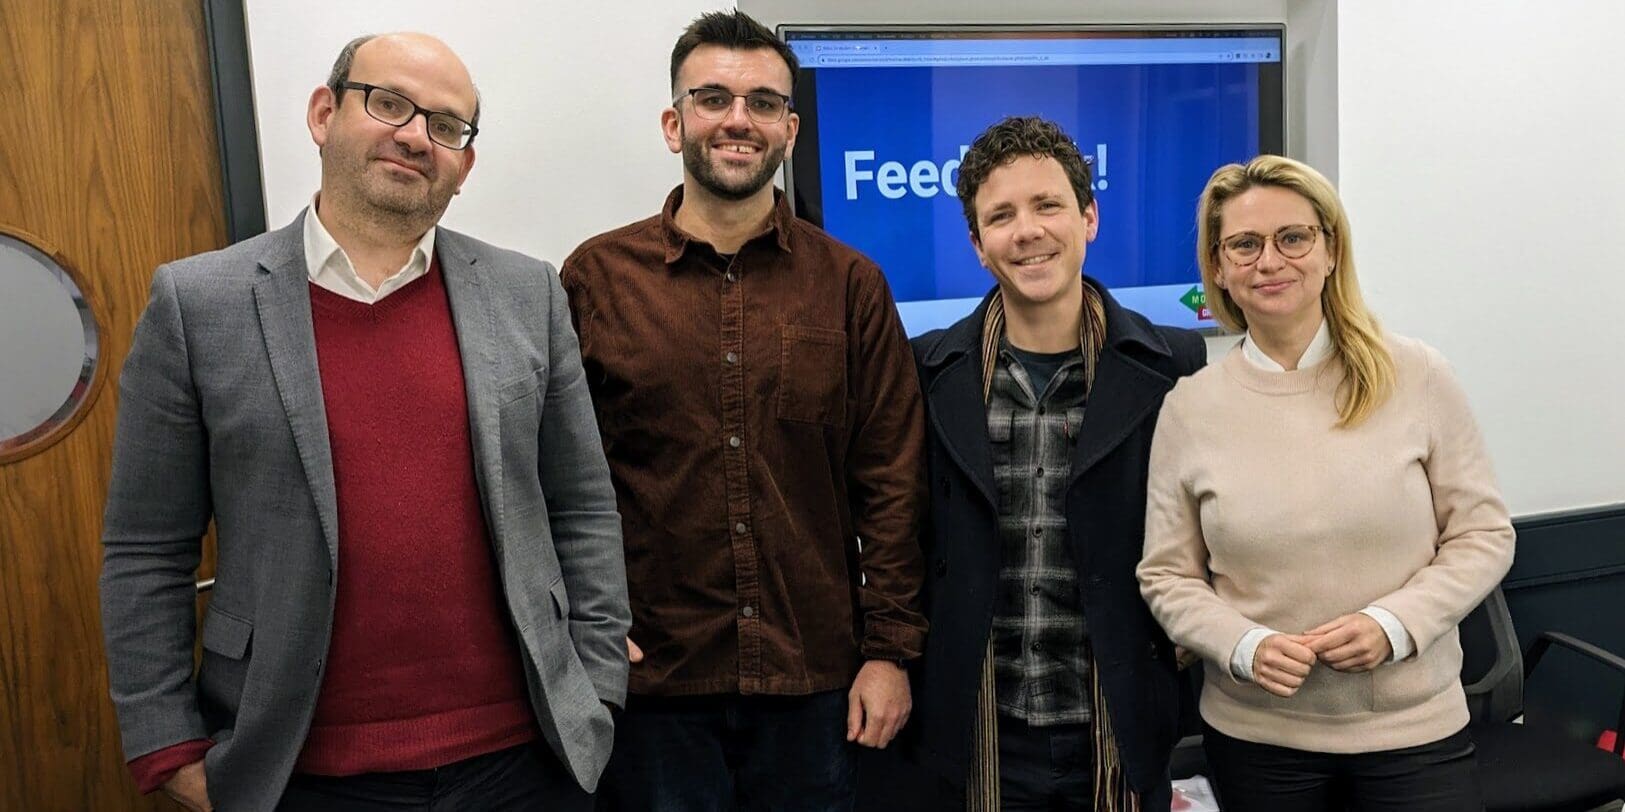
{"type": "Point", "coordinates": [725, 185]}
{"type": "Point", "coordinates": [403, 201]}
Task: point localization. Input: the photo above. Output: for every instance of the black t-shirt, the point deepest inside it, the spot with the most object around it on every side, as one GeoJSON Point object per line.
{"type": "Point", "coordinates": [1041, 366]}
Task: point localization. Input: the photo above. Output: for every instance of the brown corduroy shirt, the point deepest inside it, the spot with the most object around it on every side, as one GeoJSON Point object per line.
{"type": "Point", "coordinates": [761, 414]}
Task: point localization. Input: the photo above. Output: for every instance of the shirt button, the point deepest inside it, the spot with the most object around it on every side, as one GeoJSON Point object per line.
{"type": "Point", "coordinates": [740, 528]}
{"type": "Point", "coordinates": [748, 611]}
{"type": "Point", "coordinates": [732, 357]}
{"type": "Point", "coordinates": [730, 276]}
{"type": "Point", "coordinates": [1034, 589]}
{"type": "Point", "coordinates": [733, 442]}
{"type": "Point", "coordinates": [1039, 473]}
{"type": "Point", "coordinates": [1038, 647]}
{"type": "Point", "coordinates": [1038, 531]}
{"type": "Point", "coordinates": [1040, 411]}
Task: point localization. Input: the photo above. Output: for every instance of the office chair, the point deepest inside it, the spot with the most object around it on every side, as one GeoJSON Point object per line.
{"type": "Point", "coordinates": [1528, 767]}
{"type": "Point", "coordinates": [1522, 767]}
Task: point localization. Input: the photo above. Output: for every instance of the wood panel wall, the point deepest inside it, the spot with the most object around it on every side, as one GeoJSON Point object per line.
{"type": "Point", "coordinates": [108, 152]}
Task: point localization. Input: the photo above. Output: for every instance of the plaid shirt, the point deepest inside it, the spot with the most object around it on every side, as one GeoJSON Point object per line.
{"type": "Point", "coordinates": [1041, 673]}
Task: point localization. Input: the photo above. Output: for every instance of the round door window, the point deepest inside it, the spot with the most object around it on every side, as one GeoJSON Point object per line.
{"type": "Point", "coordinates": [50, 348]}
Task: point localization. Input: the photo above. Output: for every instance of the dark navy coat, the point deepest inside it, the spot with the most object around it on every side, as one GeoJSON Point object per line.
{"type": "Point", "coordinates": [1105, 505]}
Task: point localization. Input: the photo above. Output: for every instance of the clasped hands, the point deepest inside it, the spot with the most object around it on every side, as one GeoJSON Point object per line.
{"type": "Point", "coordinates": [1352, 643]}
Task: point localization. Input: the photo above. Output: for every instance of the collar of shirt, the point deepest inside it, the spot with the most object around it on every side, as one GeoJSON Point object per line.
{"type": "Point", "coordinates": [1319, 349]}
{"type": "Point", "coordinates": [677, 240]}
{"type": "Point", "coordinates": [330, 267]}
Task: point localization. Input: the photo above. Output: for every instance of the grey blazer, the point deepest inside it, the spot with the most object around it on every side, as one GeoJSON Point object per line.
{"type": "Point", "coordinates": [221, 417]}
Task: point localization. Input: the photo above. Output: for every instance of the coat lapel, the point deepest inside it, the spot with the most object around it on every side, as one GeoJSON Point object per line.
{"type": "Point", "coordinates": [1124, 395]}
{"type": "Point", "coordinates": [953, 392]}
{"type": "Point", "coordinates": [282, 298]}
{"type": "Point", "coordinates": [959, 417]}
{"type": "Point", "coordinates": [1125, 392]}
{"type": "Point", "coordinates": [476, 341]}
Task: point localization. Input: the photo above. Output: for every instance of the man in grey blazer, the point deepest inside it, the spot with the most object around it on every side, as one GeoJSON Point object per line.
{"type": "Point", "coordinates": [420, 596]}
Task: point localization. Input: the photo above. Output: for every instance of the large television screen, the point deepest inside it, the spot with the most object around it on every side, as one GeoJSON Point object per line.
{"type": "Point", "coordinates": [886, 113]}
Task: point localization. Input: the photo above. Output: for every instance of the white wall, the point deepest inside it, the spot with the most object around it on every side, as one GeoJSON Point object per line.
{"type": "Point", "coordinates": [1483, 162]}
{"type": "Point", "coordinates": [569, 142]}
{"type": "Point", "coordinates": [1478, 146]}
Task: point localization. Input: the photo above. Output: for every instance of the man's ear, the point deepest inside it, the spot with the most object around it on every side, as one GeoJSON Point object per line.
{"type": "Point", "coordinates": [976, 243]}
{"type": "Point", "coordinates": [468, 166]}
{"type": "Point", "coordinates": [671, 128]}
{"type": "Point", "coordinates": [319, 114]}
{"type": "Point", "coordinates": [1091, 220]}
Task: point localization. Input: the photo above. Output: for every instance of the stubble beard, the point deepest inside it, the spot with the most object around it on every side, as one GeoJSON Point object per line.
{"type": "Point", "coordinates": [699, 166]}
{"type": "Point", "coordinates": [392, 204]}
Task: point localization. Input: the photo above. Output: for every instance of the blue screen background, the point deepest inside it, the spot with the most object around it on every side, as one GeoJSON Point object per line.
{"type": "Point", "coordinates": [1165, 129]}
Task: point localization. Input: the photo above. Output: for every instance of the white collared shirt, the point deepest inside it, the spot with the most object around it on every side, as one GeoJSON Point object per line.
{"type": "Point", "coordinates": [1319, 349]}
{"type": "Point", "coordinates": [1241, 659]}
{"type": "Point", "coordinates": [330, 268]}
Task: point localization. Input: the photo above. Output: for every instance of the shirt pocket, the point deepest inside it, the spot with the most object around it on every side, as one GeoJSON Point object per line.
{"type": "Point", "coordinates": [812, 375]}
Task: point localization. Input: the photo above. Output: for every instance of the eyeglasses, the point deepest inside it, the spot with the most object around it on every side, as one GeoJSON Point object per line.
{"type": "Point", "coordinates": [396, 110]}
{"type": "Point", "coordinates": [1292, 242]}
{"type": "Point", "coordinates": [713, 103]}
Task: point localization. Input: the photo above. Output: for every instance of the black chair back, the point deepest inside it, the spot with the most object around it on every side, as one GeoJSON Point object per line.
{"type": "Point", "coordinates": [1491, 662]}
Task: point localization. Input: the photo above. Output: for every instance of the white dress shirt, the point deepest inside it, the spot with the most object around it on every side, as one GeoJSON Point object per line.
{"type": "Point", "coordinates": [1241, 660]}
{"type": "Point", "coordinates": [331, 270]}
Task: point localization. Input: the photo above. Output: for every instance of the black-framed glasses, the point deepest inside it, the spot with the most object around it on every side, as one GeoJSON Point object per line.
{"type": "Point", "coordinates": [396, 110]}
{"type": "Point", "coordinates": [763, 106]}
{"type": "Point", "coordinates": [1292, 242]}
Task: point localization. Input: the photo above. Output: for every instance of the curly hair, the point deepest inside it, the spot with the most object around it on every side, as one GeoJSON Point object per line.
{"type": "Point", "coordinates": [1012, 138]}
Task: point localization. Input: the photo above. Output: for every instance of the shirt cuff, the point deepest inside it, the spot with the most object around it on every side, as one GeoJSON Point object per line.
{"type": "Point", "coordinates": [153, 769]}
{"type": "Point", "coordinates": [1241, 660]}
{"type": "Point", "coordinates": [1398, 639]}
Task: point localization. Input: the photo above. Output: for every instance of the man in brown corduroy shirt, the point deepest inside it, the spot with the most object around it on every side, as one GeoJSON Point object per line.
{"type": "Point", "coordinates": [764, 428]}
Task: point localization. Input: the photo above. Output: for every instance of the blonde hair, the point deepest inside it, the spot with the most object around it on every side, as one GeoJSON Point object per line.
{"type": "Point", "coordinates": [1368, 377]}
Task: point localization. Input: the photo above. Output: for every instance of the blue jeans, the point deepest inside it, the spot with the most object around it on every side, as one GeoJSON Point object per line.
{"type": "Point", "coordinates": [711, 753]}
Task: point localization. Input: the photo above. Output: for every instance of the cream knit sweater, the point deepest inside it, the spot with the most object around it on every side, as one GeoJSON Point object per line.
{"type": "Point", "coordinates": [1261, 512]}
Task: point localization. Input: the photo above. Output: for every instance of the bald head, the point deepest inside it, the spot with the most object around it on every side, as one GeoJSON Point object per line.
{"type": "Point", "coordinates": [411, 56]}
{"type": "Point", "coordinates": [383, 169]}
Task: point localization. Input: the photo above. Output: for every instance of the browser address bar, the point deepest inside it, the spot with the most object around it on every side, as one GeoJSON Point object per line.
{"type": "Point", "coordinates": [933, 59]}
{"type": "Point", "coordinates": [951, 60]}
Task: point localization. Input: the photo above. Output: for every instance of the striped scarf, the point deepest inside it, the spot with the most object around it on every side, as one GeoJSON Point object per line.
{"type": "Point", "coordinates": [1112, 792]}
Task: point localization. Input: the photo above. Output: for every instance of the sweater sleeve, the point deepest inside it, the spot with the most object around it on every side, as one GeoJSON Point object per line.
{"type": "Point", "coordinates": [1474, 548]}
{"type": "Point", "coordinates": [1173, 572]}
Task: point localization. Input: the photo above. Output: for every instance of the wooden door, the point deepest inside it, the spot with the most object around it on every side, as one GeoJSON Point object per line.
{"type": "Point", "coordinates": [108, 154]}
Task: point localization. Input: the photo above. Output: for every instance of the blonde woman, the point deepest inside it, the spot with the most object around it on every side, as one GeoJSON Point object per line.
{"type": "Point", "coordinates": [1321, 514]}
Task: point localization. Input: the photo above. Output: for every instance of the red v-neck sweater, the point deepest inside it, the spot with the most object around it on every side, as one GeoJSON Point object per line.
{"type": "Point", "coordinates": [423, 669]}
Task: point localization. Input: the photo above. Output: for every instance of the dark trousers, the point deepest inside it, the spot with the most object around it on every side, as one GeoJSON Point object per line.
{"type": "Point", "coordinates": [713, 753]}
{"type": "Point", "coordinates": [519, 778]}
{"type": "Point", "coordinates": [1045, 768]}
{"type": "Point", "coordinates": [1437, 777]}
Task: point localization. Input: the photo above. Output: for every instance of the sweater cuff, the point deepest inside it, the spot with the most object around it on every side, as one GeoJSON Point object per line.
{"type": "Point", "coordinates": [153, 769]}
{"type": "Point", "coordinates": [1241, 660]}
{"type": "Point", "coordinates": [1398, 639]}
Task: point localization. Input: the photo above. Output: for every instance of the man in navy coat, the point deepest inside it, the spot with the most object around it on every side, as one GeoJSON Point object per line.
{"type": "Point", "coordinates": [1045, 682]}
